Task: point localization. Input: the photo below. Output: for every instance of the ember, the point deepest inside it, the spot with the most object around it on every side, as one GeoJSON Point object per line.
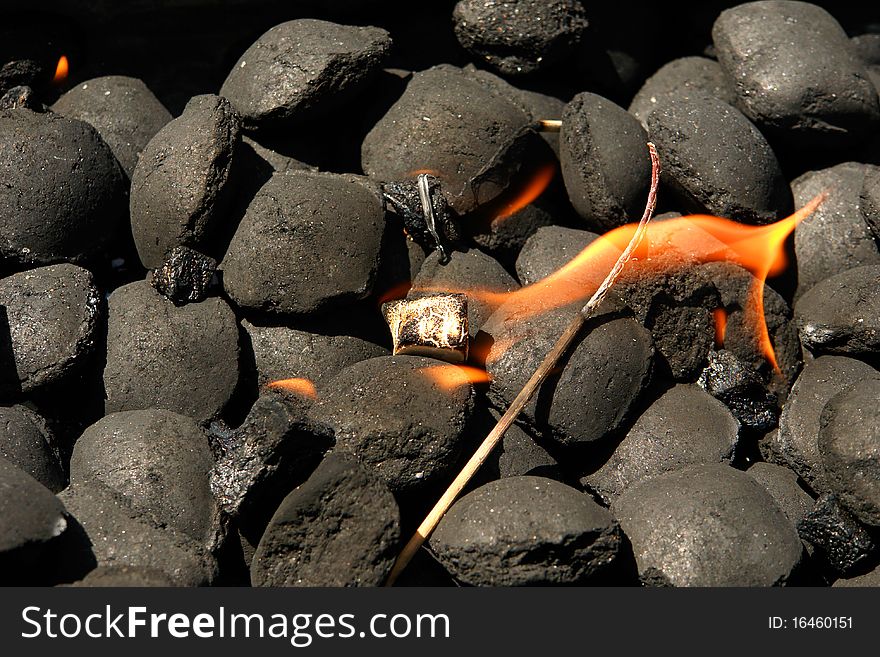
{"type": "Point", "coordinates": [273, 278]}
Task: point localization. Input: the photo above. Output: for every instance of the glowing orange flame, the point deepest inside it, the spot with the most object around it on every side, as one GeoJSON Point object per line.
{"type": "Point", "coordinates": [720, 316]}
{"type": "Point", "coordinates": [679, 242]}
{"type": "Point", "coordinates": [450, 377]}
{"type": "Point", "coordinates": [532, 190]}
{"type": "Point", "coordinates": [298, 386]}
{"type": "Point", "coordinates": [418, 172]}
{"type": "Point", "coordinates": [61, 70]}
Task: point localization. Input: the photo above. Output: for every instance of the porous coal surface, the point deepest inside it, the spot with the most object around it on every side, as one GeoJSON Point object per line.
{"type": "Point", "coordinates": [605, 161]}
{"type": "Point", "coordinates": [107, 532]}
{"type": "Point", "coordinates": [301, 68]}
{"type": "Point", "coordinates": [285, 353]}
{"type": "Point", "coordinates": [470, 273]}
{"type": "Point", "coordinates": [520, 37]}
{"type": "Point", "coordinates": [687, 78]}
{"type": "Point", "coordinates": [180, 358]}
{"type": "Point", "coordinates": [21, 97]}
{"type": "Point", "coordinates": [836, 236]}
{"type": "Point", "coordinates": [184, 276]}
{"type": "Point", "coordinates": [840, 539]}
{"type": "Point", "coordinates": [308, 242]}
{"type": "Point", "coordinates": [798, 438]}
{"type": "Point", "coordinates": [124, 577]}
{"type": "Point", "coordinates": [158, 461]}
{"type": "Point", "coordinates": [504, 236]}
{"type": "Point", "coordinates": [453, 123]}
{"type": "Point", "coordinates": [795, 73]}
{"type": "Point", "coordinates": [841, 315]}
{"type": "Point", "coordinates": [735, 286]}
{"type": "Point", "coordinates": [676, 305]}
{"type": "Point", "coordinates": [739, 387]}
{"type": "Point", "coordinates": [340, 528]}
{"type": "Point", "coordinates": [548, 250]}
{"type": "Point", "coordinates": [52, 316]}
{"type": "Point", "coordinates": [526, 530]}
{"type": "Point", "coordinates": [849, 443]}
{"type": "Point", "coordinates": [276, 448]}
{"type": "Point", "coordinates": [392, 415]}
{"type": "Point", "coordinates": [122, 109]}
{"type": "Point", "coordinates": [25, 441]}
{"type": "Point", "coordinates": [708, 525]}
{"type": "Point", "coordinates": [685, 426]}
{"type": "Point", "coordinates": [598, 383]}
{"type": "Point", "coordinates": [180, 186]}
{"type": "Point", "coordinates": [31, 519]}
{"type": "Point", "coordinates": [61, 197]}
{"type": "Point", "coordinates": [717, 162]}
{"type": "Point", "coordinates": [782, 484]}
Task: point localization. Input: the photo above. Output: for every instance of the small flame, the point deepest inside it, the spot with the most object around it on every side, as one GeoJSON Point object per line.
{"type": "Point", "coordinates": [418, 172]}
{"type": "Point", "coordinates": [450, 377]}
{"type": "Point", "coordinates": [298, 386]}
{"type": "Point", "coordinates": [720, 316]}
{"type": "Point", "coordinates": [533, 188]}
{"type": "Point", "coordinates": [61, 70]}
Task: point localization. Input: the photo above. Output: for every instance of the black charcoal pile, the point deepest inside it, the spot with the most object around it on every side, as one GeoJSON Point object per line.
{"type": "Point", "coordinates": [198, 382]}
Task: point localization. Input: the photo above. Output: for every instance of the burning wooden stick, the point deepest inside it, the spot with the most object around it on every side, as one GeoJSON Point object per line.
{"type": "Point", "coordinates": [548, 125]}
{"type": "Point", "coordinates": [549, 363]}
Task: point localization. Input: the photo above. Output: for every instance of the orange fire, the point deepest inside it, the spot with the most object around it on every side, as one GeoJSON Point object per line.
{"type": "Point", "coordinates": [298, 386]}
{"type": "Point", "coordinates": [720, 316]}
{"type": "Point", "coordinates": [61, 70]}
{"type": "Point", "coordinates": [679, 242]}
{"type": "Point", "coordinates": [535, 186]}
{"type": "Point", "coordinates": [449, 377]}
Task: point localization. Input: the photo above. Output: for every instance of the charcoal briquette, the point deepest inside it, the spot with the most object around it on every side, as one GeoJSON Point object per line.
{"type": "Point", "coordinates": [708, 525]}
{"type": "Point", "coordinates": [605, 162]}
{"type": "Point", "coordinates": [870, 579]}
{"type": "Point", "coordinates": [798, 438]}
{"type": "Point", "coordinates": [521, 454]}
{"type": "Point", "coordinates": [841, 315]}
{"type": "Point", "coordinates": [595, 388]}
{"type": "Point", "coordinates": [398, 419]}
{"type": "Point", "coordinates": [21, 97]}
{"type": "Point", "coordinates": [27, 443]}
{"type": "Point", "coordinates": [158, 462]}
{"type": "Point", "coordinates": [183, 359]}
{"type": "Point", "coordinates": [548, 249]}
{"type": "Point", "coordinates": [180, 187]}
{"type": "Point", "coordinates": [687, 77]}
{"type": "Point", "coordinates": [309, 242]}
{"type": "Point", "coordinates": [870, 199]}
{"type": "Point", "coordinates": [527, 530]}
{"type": "Point", "coordinates": [836, 236]}
{"type": "Point", "coordinates": [31, 520]}
{"type": "Point", "coordinates": [520, 37]}
{"type": "Point", "coordinates": [62, 195]}
{"type": "Point", "coordinates": [845, 545]}
{"type": "Point", "coordinates": [717, 162]}
{"type": "Point", "coordinates": [282, 352]}
{"type": "Point", "coordinates": [302, 68]}
{"type": "Point", "coordinates": [52, 316]}
{"type": "Point", "coordinates": [124, 577]}
{"type": "Point", "coordinates": [795, 73]}
{"type": "Point", "coordinates": [849, 444]}
{"type": "Point", "coordinates": [684, 427]}
{"type": "Point", "coordinates": [339, 528]}
{"type": "Point", "coordinates": [453, 124]}
{"type": "Point", "coordinates": [782, 484]}
{"type": "Point", "coordinates": [122, 109]}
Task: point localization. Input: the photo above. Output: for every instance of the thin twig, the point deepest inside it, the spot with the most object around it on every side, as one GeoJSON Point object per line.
{"type": "Point", "coordinates": [548, 365]}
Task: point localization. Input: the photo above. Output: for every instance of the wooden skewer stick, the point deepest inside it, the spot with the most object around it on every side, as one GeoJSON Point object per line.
{"type": "Point", "coordinates": [547, 365]}
{"type": "Point", "coordinates": [548, 125]}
